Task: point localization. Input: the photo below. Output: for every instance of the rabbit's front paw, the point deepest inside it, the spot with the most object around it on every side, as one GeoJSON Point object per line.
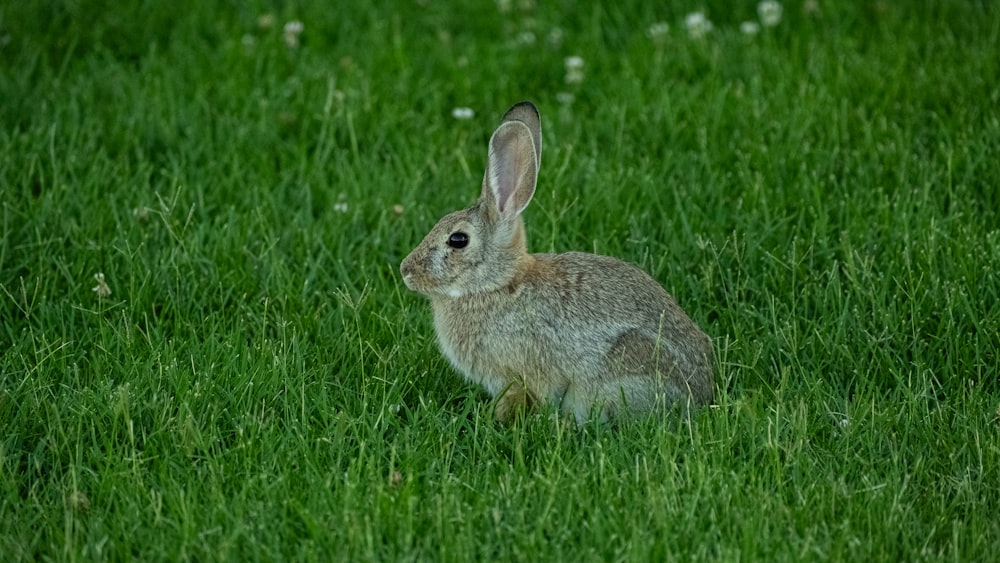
{"type": "Point", "coordinates": [513, 401]}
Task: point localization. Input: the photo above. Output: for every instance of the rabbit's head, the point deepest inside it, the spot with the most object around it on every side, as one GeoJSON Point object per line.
{"type": "Point", "coordinates": [479, 248]}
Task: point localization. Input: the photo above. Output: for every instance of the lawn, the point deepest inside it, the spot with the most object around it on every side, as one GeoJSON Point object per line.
{"type": "Point", "coordinates": [251, 380]}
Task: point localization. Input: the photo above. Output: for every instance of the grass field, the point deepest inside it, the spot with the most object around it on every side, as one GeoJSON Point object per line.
{"type": "Point", "coordinates": [822, 197]}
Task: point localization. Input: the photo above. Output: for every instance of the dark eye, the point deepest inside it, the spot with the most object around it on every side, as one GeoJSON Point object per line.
{"type": "Point", "coordinates": [458, 240]}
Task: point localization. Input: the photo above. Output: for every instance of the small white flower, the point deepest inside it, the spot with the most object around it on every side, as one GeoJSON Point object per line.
{"type": "Point", "coordinates": [842, 421]}
{"type": "Point", "coordinates": [292, 31]}
{"type": "Point", "coordinates": [395, 408]}
{"type": "Point", "coordinates": [340, 207]}
{"type": "Point", "coordinates": [526, 38]}
{"type": "Point", "coordinates": [565, 98]}
{"type": "Point", "coordinates": [504, 6]}
{"type": "Point", "coordinates": [574, 69]}
{"type": "Point", "coordinates": [750, 28]}
{"type": "Point", "coordinates": [697, 24]}
{"type": "Point", "coordinates": [658, 30]}
{"type": "Point", "coordinates": [463, 113]}
{"type": "Point", "coordinates": [769, 12]}
{"type": "Point", "coordinates": [101, 289]}
{"type": "Point", "coordinates": [574, 63]}
{"type": "Point", "coordinates": [265, 21]}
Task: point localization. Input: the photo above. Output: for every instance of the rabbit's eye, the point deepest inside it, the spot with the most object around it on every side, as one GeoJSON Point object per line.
{"type": "Point", "coordinates": [458, 240]}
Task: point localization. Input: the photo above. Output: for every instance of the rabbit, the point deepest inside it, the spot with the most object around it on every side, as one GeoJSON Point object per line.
{"type": "Point", "coordinates": [593, 335]}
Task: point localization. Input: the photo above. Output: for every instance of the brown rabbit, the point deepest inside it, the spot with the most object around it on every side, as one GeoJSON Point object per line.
{"type": "Point", "coordinates": [592, 334]}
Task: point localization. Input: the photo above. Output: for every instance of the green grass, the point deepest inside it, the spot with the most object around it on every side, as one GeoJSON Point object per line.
{"type": "Point", "coordinates": [823, 198]}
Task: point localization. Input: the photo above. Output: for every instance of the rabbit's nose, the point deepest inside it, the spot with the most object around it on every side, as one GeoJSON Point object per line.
{"type": "Point", "coordinates": [406, 269]}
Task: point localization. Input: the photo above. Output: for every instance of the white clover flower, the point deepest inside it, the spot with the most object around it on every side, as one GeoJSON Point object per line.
{"type": "Point", "coordinates": [697, 24]}
{"type": "Point", "coordinates": [503, 6]}
{"type": "Point", "coordinates": [265, 21]}
{"type": "Point", "coordinates": [749, 28]}
{"type": "Point", "coordinates": [565, 98]}
{"type": "Point", "coordinates": [574, 69]}
{"type": "Point", "coordinates": [101, 289]}
{"type": "Point", "coordinates": [526, 38]}
{"type": "Point", "coordinates": [340, 207]}
{"type": "Point", "coordinates": [769, 12]}
{"type": "Point", "coordinates": [463, 113]}
{"type": "Point", "coordinates": [658, 30]}
{"type": "Point", "coordinates": [292, 31]}
{"type": "Point", "coordinates": [842, 421]}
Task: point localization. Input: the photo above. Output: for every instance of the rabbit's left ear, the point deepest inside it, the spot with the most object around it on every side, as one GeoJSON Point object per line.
{"type": "Point", "coordinates": [527, 113]}
{"type": "Point", "coordinates": [512, 165]}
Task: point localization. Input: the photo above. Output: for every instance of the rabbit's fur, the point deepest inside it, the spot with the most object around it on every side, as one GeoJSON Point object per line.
{"type": "Point", "coordinates": [591, 334]}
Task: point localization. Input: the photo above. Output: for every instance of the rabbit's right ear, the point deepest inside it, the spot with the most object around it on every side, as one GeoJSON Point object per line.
{"type": "Point", "coordinates": [512, 165]}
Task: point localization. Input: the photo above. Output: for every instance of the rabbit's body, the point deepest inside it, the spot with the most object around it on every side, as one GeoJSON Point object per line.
{"type": "Point", "coordinates": [592, 343]}
{"type": "Point", "coordinates": [591, 334]}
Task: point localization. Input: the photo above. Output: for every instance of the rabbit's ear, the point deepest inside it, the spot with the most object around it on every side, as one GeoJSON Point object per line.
{"type": "Point", "coordinates": [511, 168]}
{"type": "Point", "coordinates": [527, 113]}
